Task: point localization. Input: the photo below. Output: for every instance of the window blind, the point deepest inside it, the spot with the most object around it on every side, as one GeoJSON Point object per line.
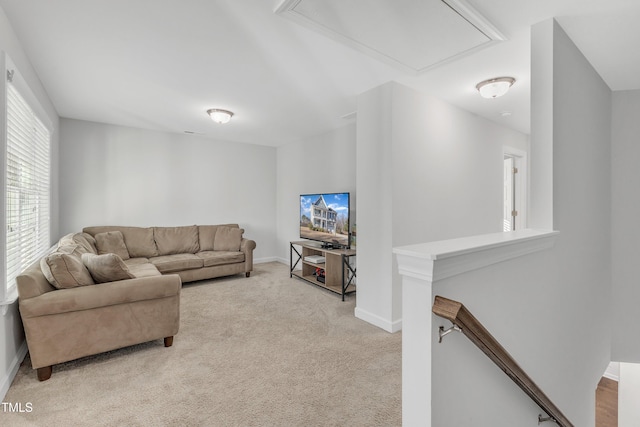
{"type": "Point", "coordinates": [27, 186]}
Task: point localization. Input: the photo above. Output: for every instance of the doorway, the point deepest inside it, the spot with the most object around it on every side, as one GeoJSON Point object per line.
{"type": "Point", "coordinates": [514, 212]}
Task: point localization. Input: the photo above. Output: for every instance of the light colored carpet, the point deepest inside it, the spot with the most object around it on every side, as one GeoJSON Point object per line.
{"type": "Point", "coordinates": [262, 351]}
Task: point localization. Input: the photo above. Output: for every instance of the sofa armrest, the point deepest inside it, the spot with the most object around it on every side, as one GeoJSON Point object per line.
{"type": "Point", "coordinates": [247, 246]}
{"type": "Point", "coordinates": [32, 282]}
{"type": "Point", "coordinates": [101, 295]}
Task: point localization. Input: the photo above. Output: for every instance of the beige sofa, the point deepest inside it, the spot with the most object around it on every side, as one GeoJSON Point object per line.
{"type": "Point", "coordinates": [112, 287]}
{"type": "Point", "coordinates": [192, 252]}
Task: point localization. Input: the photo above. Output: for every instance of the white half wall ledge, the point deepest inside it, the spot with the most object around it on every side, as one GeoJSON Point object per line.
{"type": "Point", "coordinates": [439, 260]}
{"type": "Point", "coordinates": [422, 266]}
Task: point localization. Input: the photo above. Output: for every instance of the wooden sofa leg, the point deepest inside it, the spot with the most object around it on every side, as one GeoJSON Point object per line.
{"type": "Point", "coordinates": [44, 373]}
{"type": "Point", "coordinates": [168, 341]}
{"type": "Point", "coordinates": [247, 274]}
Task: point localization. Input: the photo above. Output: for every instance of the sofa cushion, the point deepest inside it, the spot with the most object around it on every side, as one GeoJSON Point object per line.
{"type": "Point", "coordinates": [141, 267]}
{"type": "Point", "coordinates": [134, 261]}
{"type": "Point", "coordinates": [64, 268]}
{"type": "Point", "coordinates": [144, 270]}
{"type": "Point", "coordinates": [211, 258]}
{"type": "Point", "coordinates": [106, 268]}
{"type": "Point", "coordinates": [85, 240]}
{"type": "Point", "coordinates": [176, 240]}
{"type": "Point", "coordinates": [176, 262]}
{"type": "Point", "coordinates": [207, 234]}
{"type": "Point", "coordinates": [139, 240]}
{"type": "Point", "coordinates": [111, 242]}
{"type": "Point", "coordinates": [228, 239]}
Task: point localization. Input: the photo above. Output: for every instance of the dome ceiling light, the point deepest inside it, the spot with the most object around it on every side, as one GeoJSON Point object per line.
{"type": "Point", "coordinates": [494, 88]}
{"type": "Point", "coordinates": [220, 116]}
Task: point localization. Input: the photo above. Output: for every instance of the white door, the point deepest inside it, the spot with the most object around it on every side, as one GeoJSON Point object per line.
{"type": "Point", "coordinates": [508, 210]}
{"type": "Point", "coordinates": [514, 215]}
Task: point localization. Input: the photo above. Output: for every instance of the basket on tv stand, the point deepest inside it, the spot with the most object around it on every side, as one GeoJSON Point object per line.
{"type": "Point", "coordinates": [339, 274]}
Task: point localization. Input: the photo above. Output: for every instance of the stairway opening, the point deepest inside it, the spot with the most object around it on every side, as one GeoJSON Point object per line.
{"type": "Point", "coordinates": [607, 403]}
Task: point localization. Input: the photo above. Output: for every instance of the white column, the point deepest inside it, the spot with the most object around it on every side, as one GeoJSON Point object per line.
{"type": "Point", "coordinates": [416, 339]}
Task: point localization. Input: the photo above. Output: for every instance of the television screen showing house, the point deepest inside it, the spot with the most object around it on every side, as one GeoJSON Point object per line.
{"type": "Point", "coordinates": [325, 217]}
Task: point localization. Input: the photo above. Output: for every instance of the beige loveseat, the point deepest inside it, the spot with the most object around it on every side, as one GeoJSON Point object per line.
{"type": "Point", "coordinates": [112, 287]}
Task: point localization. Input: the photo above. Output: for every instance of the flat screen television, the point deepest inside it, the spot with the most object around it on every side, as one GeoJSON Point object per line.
{"type": "Point", "coordinates": [325, 218]}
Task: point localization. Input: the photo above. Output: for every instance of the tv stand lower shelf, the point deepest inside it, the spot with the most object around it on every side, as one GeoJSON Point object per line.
{"type": "Point", "coordinates": [336, 271]}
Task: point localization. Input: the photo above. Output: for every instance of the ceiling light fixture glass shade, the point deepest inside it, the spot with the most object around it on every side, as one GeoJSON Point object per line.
{"type": "Point", "coordinates": [220, 116]}
{"type": "Point", "coordinates": [493, 88]}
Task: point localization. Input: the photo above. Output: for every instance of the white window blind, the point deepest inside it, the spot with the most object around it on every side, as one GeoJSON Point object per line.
{"type": "Point", "coordinates": [27, 186]}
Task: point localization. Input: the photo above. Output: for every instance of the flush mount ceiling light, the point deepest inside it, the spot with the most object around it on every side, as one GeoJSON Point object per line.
{"type": "Point", "coordinates": [220, 116]}
{"type": "Point", "coordinates": [494, 88]}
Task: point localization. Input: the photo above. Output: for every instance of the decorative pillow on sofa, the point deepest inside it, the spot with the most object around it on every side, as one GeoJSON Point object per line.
{"type": "Point", "coordinates": [106, 268]}
{"type": "Point", "coordinates": [64, 268]}
{"type": "Point", "coordinates": [111, 242]}
{"type": "Point", "coordinates": [138, 240]}
{"type": "Point", "coordinates": [86, 241]}
{"type": "Point", "coordinates": [228, 239]}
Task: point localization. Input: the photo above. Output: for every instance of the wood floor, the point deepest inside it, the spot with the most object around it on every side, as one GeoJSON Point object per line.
{"type": "Point", "coordinates": [607, 403]}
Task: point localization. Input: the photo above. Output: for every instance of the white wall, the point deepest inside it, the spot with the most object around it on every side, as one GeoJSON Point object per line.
{"type": "Point", "coordinates": [628, 386]}
{"type": "Point", "coordinates": [125, 176]}
{"type": "Point", "coordinates": [551, 310]}
{"type": "Point", "coordinates": [426, 171]}
{"type": "Point", "coordinates": [541, 183]}
{"type": "Point", "coordinates": [321, 164]}
{"type": "Point", "coordinates": [582, 213]}
{"type": "Point", "coordinates": [12, 343]}
{"type": "Point", "coordinates": [625, 208]}
{"type": "Point", "coordinates": [447, 170]}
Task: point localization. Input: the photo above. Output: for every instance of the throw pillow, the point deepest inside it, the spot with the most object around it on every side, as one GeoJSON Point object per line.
{"type": "Point", "coordinates": [106, 268]}
{"type": "Point", "coordinates": [87, 241]}
{"type": "Point", "coordinates": [228, 239]}
{"type": "Point", "coordinates": [111, 242]}
{"type": "Point", "coordinates": [84, 240]}
{"type": "Point", "coordinates": [138, 240]}
{"type": "Point", "coordinates": [64, 268]}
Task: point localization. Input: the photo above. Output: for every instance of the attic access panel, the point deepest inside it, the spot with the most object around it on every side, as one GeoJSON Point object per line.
{"type": "Point", "coordinates": [413, 35]}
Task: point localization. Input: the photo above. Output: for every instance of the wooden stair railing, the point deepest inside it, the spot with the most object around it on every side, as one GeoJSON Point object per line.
{"type": "Point", "coordinates": [457, 314]}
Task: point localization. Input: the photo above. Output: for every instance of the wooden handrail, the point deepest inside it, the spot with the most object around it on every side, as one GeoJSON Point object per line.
{"type": "Point", "coordinates": [473, 329]}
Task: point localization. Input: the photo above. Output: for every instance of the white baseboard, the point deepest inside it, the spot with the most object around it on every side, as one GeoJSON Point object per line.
{"type": "Point", "coordinates": [13, 370]}
{"type": "Point", "coordinates": [613, 371]}
{"type": "Point", "coordinates": [282, 260]}
{"type": "Point", "coordinates": [265, 260]}
{"type": "Point", "coordinates": [378, 321]}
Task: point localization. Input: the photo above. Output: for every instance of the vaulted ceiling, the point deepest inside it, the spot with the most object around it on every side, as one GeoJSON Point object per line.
{"type": "Point", "coordinates": [290, 69]}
